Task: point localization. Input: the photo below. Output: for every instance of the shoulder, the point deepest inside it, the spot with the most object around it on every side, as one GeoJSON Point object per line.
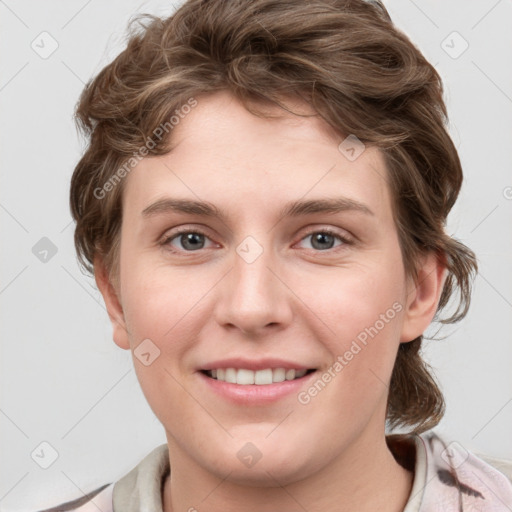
{"type": "Point", "coordinates": [139, 489]}
{"type": "Point", "coordinates": [457, 473]}
{"type": "Point", "coordinates": [503, 465]}
{"type": "Point", "coordinates": [457, 455]}
{"type": "Point", "coordinates": [99, 499]}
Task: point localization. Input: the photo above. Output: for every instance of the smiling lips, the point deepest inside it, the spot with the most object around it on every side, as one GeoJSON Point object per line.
{"type": "Point", "coordinates": [250, 382]}
{"type": "Point", "coordinates": [266, 376]}
{"type": "Point", "coordinates": [255, 382]}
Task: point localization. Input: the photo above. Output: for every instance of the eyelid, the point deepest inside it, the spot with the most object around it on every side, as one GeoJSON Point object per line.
{"type": "Point", "coordinates": [343, 234]}
{"type": "Point", "coordinates": [344, 237]}
{"type": "Point", "coordinates": [175, 232]}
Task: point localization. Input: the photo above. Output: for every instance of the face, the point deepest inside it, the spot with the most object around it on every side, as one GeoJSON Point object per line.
{"type": "Point", "coordinates": [260, 290]}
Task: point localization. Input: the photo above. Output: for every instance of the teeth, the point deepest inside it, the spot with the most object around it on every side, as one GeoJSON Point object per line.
{"type": "Point", "coordinates": [259, 377]}
{"type": "Point", "coordinates": [230, 375]}
{"type": "Point", "coordinates": [278, 375]}
{"type": "Point", "coordinates": [263, 376]}
{"type": "Point", "coordinates": [290, 374]}
{"type": "Point", "coordinates": [244, 377]}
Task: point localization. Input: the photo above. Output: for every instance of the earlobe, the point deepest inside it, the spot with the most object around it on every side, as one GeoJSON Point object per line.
{"type": "Point", "coordinates": [423, 296]}
{"type": "Point", "coordinates": [112, 303]}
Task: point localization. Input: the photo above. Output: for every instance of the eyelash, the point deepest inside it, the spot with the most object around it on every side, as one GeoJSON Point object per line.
{"type": "Point", "coordinates": [165, 242]}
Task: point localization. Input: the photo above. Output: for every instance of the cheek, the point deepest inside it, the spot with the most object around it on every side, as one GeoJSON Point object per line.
{"type": "Point", "coordinates": [158, 302]}
{"type": "Point", "coordinates": [357, 300]}
{"type": "Point", "coordinates": [363, 351]}
{"type": "Point", "coordinates": [364, 312]}
{"type": "Point", "coordinates": [161, 318]}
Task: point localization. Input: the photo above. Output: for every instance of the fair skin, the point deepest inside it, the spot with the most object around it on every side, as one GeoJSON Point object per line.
{"type": "Point", "coordinates": [300, 301]}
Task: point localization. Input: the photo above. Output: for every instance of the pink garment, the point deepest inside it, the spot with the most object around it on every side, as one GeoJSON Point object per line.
{"type": "Point", "coordinates": [458, 480]}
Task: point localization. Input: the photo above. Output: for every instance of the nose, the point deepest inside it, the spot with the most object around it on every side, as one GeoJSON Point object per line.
{"type": "Point", "coordinates": [253, 297]}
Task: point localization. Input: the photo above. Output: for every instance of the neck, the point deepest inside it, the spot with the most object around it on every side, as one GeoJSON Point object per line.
{"type": "Point", "coordinates": [366, 477]}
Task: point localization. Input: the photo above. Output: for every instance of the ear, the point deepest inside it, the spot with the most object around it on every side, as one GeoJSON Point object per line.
{"type": "Point", "coordinates": [423, 296]}
{"type": "Point", "coordinates": [114, 308]}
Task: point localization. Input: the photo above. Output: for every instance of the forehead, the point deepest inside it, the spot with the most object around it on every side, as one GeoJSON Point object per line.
{"type": "Point", "coordinates": [224, 154]}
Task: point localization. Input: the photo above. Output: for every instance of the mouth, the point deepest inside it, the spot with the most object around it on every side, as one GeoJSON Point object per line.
{"type": "Point", "coordinates": [264, 377]}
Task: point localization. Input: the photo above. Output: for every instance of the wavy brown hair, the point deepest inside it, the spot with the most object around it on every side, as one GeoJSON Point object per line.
{"type": "Point", "coordinates": [360, 73]}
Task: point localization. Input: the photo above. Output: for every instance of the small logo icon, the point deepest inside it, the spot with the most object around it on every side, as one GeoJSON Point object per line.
{"type": "Point", "coordinates": [249, 249]}
{"type": "Point", "coordinates": [249, 455]}
{"type": "Point", "coordinates": [454, 454]}
{"type": "Point", "coordinates": [454, 45]}
{"type": "Point", "coordinates": [44, 455]}
{"type": "Point", "coordinates": [44, 250]}
{"type": "Point", "coordinates": [146, 352]}
{"type": "Point", "coordinates": [351, 148]}
{"type": "Point", "coordinates": [44, 45]}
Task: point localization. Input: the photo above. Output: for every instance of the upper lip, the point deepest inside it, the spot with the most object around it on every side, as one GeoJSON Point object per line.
{"type": "Point", "coordinates": [260, 364]}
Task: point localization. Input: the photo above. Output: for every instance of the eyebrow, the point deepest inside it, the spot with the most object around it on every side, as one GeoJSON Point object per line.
{"type": "Point", "coordinates": [292, 209]}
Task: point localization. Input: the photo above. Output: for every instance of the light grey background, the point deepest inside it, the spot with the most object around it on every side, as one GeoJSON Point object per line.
{"type": "Point", "coordinates": [65, 382]}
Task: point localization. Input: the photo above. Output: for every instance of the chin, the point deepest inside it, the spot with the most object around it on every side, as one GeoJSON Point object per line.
{"type": "Point", "coordinates": [273, 466]}
{"type": "Point", "coordinates": [271, 474]}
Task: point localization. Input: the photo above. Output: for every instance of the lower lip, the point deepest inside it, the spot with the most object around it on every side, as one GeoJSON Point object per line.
{"type": "Point", "coordinates": [253, 394]}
